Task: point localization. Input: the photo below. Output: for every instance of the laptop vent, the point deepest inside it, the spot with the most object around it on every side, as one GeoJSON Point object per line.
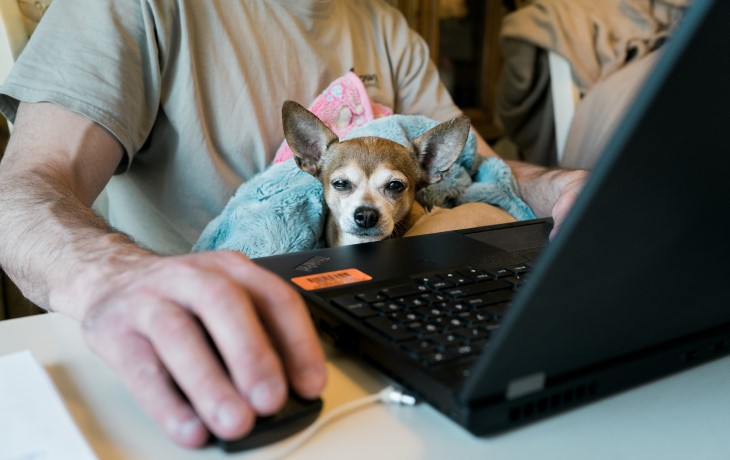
{"type": "Point", "coordinates": [558, 400]}
{"type": "Point", "coordinates": [710, 350]}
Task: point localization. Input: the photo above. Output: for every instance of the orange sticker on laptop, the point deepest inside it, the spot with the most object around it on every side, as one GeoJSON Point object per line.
{"type": "Point", "coordinates": [330, 279]}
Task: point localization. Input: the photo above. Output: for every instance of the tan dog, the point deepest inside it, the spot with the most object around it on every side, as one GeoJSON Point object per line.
{"type": "Point", "coordinates": [370, 183]}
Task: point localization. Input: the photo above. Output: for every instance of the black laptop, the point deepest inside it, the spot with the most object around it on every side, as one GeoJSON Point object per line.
{"type": "Point", "coordinates": [495, 327]}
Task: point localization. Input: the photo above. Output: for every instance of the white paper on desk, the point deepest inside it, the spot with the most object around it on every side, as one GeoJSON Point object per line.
{"type": "Point", "coordinates": [34, 422]}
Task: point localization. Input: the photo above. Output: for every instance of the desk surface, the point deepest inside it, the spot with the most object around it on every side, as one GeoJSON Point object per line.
{"type": "Point", "coordinates": [680, 417]}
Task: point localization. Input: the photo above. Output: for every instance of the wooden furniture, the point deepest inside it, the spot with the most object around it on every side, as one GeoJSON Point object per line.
{"type": "Point", "coordinates": [485, 17]}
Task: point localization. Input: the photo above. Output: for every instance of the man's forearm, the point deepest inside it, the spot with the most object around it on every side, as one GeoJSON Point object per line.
{"type": "Point", "coordinates": [52, 244]}
{"type": "Point", "coordinates": [548, 191]}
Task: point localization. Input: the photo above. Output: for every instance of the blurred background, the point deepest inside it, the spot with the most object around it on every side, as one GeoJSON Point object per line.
{"type": "Point", "coordinates": [463, 38]}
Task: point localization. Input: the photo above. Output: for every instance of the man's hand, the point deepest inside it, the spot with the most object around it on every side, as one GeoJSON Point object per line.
{"type": "Point", "coordinates": [148, 325]}
{"type": "Point", "coordinates": [549, 191]}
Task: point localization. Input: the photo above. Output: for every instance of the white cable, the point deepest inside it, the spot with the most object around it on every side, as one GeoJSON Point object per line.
{"type": "Point", "coordinates": [388, 395]}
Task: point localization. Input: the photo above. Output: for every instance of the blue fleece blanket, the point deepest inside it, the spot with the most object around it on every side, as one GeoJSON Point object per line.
{"type": "Point", "coordinates": [282, 209]}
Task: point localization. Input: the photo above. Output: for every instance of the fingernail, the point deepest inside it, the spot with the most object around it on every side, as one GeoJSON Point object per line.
{"type": "Point", "coordinates": [228, 416]}
{"type": "Point", "coordinates": [187, 430]}
{"type": "Point", "coordinates": [266, 395]}
{"type": "Point", "coordinates": [313, 378]}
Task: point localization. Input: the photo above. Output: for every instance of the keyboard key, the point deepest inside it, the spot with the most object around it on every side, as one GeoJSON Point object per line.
{"type": "Point", "coordinates": [393, 330]}
{"type": "Point", "coordinates": [448, 341]}
{"type": "Point", "coordinates": [443, 284]}
{"type": "Point", "coordinates": [497, 310]}
{"type": "Point", "coordinates": [391, 307]}
{"type": "Point", "coordinates": [371, 297]}
{"type": "Point", "coordinates": [354, 306]}
{"type": "Point", "coordinates": [405, 316]}
{"type": "Point", "coordinates": [419, 346]}
{"type": "Point", "coordinates": [489, 298]}
{"type": "Point", "coordinates": [414, 302]}
{"type": "Point", "coordinates": [477, 288]}
{"type": "Point", "coordinates": [476, 274]}
{"type": "Point", "coordinates": [418, 328]}
{"type": "Point", "coordinates": [472, 333]}
{"type": "Point", "coordinates": [485, 319]}
{"type": "Point", "coordinates": [456, 323]}
{"type": "Point", "coordinates": [465, 350]}
{"type": "Point", "coordinates": [516, 281]}
{"type": "Point", "coordinates": [432, 312]}
{"type": "Point", "coordinates": [432, 297]}
{"type": "Point", "coordinates": [405, 290]}
{"type": "Point", "coordinates": [467, 316]}
{"type": "Point", "coordinates": [519, 269]}
{"type": "Point", "coordinates": [429, 279]}
{"type": "Point", "coordinates": [440, 357]}
{"type": "Point", "coordinates": [433, 327]}
{"type": "Point", "coordinates": [457, 279]}
{"type": "Point", "coordinates": [499, 272]}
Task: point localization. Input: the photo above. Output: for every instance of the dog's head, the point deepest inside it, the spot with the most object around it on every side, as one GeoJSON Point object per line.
{"type": "Point", "coordinates": [370, 183]}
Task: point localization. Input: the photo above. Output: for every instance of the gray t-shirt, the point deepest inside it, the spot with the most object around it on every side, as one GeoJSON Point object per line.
{"type": "Point", "coordinates": [193, 89]}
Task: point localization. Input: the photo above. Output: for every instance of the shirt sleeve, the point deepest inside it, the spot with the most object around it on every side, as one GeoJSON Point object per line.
{"type": "Point", "coordinates": [95, 58]}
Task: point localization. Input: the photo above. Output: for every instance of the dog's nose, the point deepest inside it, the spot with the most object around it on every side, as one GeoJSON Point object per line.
{"type": "Point", "coordinates": [366, 217]}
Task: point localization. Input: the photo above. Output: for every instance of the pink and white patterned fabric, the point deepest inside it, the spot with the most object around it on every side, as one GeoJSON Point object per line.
{"type": "Point", "coordinates": [343, 106]}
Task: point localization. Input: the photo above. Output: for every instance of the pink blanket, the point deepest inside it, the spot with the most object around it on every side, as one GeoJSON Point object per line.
{"type": "Point", "coordinates": [343, 106]}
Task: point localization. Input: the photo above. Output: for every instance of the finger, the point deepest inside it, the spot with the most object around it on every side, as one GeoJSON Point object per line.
{"type": "Point", "coordinates": [560, 211]}
{"type": "Point", "coordinates": [134, 360]}
{"type": "Point", "coordinates": [242, 341]}
{"type": "Point", "coordinates": [285, 316]}
{"type": "Point", "coordinates": [229, 316]}
{"type": "Point", "coordinates": [185, 352]}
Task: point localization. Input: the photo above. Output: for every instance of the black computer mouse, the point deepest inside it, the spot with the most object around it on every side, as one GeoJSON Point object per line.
{"type": "Point", "coordinates": [297, 414]}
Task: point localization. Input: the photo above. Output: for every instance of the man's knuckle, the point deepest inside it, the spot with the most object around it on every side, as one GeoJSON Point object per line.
{"type": "Point", "coordinates": [176, 324]}
{"type": "Point", "coordinates": [255, 356]}
{"type": "Point", "coordinates": [145, 371]}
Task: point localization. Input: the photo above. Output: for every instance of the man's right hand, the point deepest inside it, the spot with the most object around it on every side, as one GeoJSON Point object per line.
{"type": "Point", "coordinates": [148, 325]}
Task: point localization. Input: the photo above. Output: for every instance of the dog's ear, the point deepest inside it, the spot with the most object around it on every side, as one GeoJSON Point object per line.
{"type": "Point", "coordinates": [308, 137]}
{"type": "Point", "coordinates": [438, 148]}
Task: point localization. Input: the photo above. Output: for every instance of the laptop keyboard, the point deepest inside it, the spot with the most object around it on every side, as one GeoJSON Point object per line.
{"type": "Point", "coordinates": [439, 318]}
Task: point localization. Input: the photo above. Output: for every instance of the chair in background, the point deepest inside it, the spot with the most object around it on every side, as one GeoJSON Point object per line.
{"type": "Point", "coordinates": [552, 49]}
{"type": "Point", "coordinates": [18, 19]}
{"type": "Point", "coordinates": [565, 99]}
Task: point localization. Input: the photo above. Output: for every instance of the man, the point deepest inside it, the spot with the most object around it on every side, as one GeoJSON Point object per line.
{"type": "Point", "coordinates": [182, 98]}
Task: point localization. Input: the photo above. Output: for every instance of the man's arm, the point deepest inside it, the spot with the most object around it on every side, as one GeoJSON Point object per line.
{"type": "Point", "coordinates": [548, 191]}
{"type": "Point", "coordinates": [141, 312]}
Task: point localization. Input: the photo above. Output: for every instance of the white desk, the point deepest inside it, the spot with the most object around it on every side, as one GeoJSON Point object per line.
{"type": "Point", "coordinates": [686, 416]}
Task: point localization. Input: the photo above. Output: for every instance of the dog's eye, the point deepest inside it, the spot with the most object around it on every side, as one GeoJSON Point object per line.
{"type": "Point", "coordinates": [395, 186]}
{"type": "Point", "coordinates": [341, 185]}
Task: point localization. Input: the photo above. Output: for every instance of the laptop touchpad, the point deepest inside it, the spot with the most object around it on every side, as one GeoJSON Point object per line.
{"type": "Point", "coordinates": [517, 238]}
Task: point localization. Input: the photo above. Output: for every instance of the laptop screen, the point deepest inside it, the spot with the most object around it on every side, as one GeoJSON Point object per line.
{"type": "Point", "coordinates": [643, 259]}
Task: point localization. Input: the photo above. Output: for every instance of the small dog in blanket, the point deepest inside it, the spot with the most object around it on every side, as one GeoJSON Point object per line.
{"type": "Point", "coordinates": [370, 183]}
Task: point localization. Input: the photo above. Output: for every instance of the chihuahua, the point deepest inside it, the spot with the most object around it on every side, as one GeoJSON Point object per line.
{"type": "Point", "coordinates": [370, 183]}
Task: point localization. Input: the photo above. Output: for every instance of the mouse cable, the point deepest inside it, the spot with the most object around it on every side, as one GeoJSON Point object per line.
{"type": "Point", "coordinates": [389, 395]}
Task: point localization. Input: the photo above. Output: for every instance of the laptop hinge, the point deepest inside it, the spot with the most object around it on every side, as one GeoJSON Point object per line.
{"type": "Point", "coordinates": [525, 385]}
